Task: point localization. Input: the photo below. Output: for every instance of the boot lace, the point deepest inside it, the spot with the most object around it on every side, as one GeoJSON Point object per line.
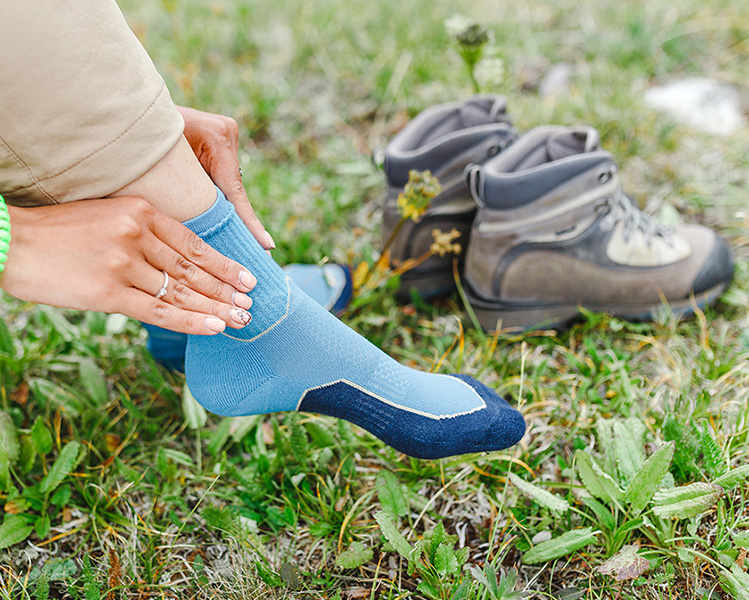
{"type": "Point", "coordinates": [620, 209]}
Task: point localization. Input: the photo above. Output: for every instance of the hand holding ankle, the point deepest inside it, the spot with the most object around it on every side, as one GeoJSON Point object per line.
{"type": "Point", "coordinates": [108, 255]}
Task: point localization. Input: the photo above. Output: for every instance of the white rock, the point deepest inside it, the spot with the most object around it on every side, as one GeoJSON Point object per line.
{"type": "Point", "coordinates": [701, 103]}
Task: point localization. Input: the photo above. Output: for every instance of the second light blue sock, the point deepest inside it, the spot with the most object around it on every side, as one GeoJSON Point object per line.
{"type": "Point", "coordinates": [295, 355]}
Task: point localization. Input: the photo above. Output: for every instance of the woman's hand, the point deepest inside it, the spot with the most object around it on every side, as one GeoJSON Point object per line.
{"type": "Point", "coordinates": [215, 141]}
{"type": "Point", "coordinates": [110, 255]}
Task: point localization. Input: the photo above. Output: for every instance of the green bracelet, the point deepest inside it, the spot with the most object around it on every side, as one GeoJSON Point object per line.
{"type": "Point", "coordinates": [4, 233]}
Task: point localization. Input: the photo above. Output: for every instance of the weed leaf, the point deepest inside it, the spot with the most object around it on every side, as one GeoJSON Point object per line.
{"type": "Point", "coordinates": [353, 558]}
{"type": "Point", "coordinates": [625, 564]}
{"type": "Point", "coordinates": [736, 583]}
{"type": "Point", "coordinates": [506, 586]}
{"type": "Point", "coordinates": [391, 495]}
{"type": "Point", "coordinates": [62, 496]}
{"type": "Point", "coordinates": [488, 578]}
{"type": "Point", "coordinates": [628, 447]}
{"type": "Point", "coordinates": [93, 381]}
{"type": "Point", "coordinates": [461, 591]}
{"type": "Point", "coordinates": [91, 589]}
{"type": "Point", "coordinates": [56, 395]}
{"type": "Point", "coordinates": [64, 464]}
{"type": "Point", "coordinates": [733, 478]}
{"type": "Point", "coordinates": [6, 341]}
{"type": "Point", "coordinates": [15, 529]}
{"type": "Point", "coordinates": [605, 437]}
{"type": "Point", "coordinates": [241, 426]}
{"type": "Point", "coordinates": [560, 546]}
{"type": "Point", "coordinates": [299, 442]}
{"type": "Point", "coordinates": [4, 470]}
{"type": "Point", "coordinates": [429, 590]}
{"type": "Point", "coordinates": [438, 536]}
{"type": "Point", "coordinates": [599, 484]}
{"type": "Point", "coordinates": [648, 479]}
{"type": "Point", "coordinates": [711, 451]}
{"type": "Point", "coordinates": [195, 414]}
{"type": "Point", "coordinates": [41, 437]}
{"type": "Point", "coordinates": [219, 436]}
{"type": "Point", "coordinates": [686, 501]}
{"type": "Point", "coordinates": [42, 585]}
{"type": "Point", "coordinates": [554, 503]}
{"type": "Point", "coordinates": [604, 515]}
{"type": "Point", "coordinates": [42, 526]}
{"type": "Point", "coordinates": [392, 535]}
{"type": "Point", "coordinates": [8, 437]}
{"type": "Point", "coordinates": [445, 561]}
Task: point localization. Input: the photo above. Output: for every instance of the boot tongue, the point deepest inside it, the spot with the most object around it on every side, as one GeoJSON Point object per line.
{"type": "Point", "coordinates": [483, 110]}
{"type": "Point", "coordinates": [571, 142]}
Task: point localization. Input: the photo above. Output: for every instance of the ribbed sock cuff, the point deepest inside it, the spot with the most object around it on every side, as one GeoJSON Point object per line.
{"type": "Point", "coordinates": [220, 210]}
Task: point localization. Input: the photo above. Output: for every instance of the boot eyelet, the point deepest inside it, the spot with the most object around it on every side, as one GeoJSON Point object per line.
{"type": "Point", "coordinates": [607, 223]}
{"type": "Point", "coordinates": [493, 149]}
{"type": "Point", "coordinates": [604, 176]}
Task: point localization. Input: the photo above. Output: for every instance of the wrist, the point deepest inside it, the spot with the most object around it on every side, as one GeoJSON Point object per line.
{"type": "Point", "coordinates": [4, 234]}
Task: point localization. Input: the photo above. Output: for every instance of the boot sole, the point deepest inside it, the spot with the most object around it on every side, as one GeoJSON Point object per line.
{"type": "Point", "coordinates": [495, 315]}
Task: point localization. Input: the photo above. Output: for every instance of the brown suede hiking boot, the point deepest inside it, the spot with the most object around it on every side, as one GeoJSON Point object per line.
{"type": "Point", "coordinates": [443, 139]}
{"type": "Point", "coordinates": [554, 232]}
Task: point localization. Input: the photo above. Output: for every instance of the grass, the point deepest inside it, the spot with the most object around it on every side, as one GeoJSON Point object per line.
{"type": "Point", "coordinates": [157, 502]}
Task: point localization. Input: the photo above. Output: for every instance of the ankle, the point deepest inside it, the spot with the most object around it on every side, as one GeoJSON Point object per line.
{"type": "Point", "coordinates": [176, 185]}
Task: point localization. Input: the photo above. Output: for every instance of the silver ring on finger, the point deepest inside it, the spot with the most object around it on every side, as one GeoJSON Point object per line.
{"type": "Point", "coordinates": [162, 292]}
{"type": "Point", "coordinates": [240, 171]}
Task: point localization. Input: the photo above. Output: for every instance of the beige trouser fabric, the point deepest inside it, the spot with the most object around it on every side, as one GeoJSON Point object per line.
{"type": "Point", "coordinates": [83, 111]}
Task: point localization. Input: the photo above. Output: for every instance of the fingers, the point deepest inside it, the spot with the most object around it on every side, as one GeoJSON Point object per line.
{"type": "Point", "coordinates": [148, 309]}
{"type": "Point", "coordinates": [247, 214]}
{"type": "Point", "coordinates": [226, 175]}
{"type": "Point", "coordinates": [215, 141]}
{"type": "Point", "coordinates": [187, 273]}
{"type": "Point", "coordinates": [146, 279]}
{"type": "Point", "coordinates": [200, 254]}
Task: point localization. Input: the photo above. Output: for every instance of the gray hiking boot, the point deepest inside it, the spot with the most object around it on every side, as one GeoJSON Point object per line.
{"type": "Point", "coordinates": [443, 139]}
{"type": "Point", "coordinates": [555, 232]}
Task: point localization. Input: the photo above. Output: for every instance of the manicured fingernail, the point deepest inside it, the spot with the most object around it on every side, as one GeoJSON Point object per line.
{"type": "Point", "coordinates": [241, 317]}
{"type": "Point", "coordinates": [215, 324]}
{"type": "Point", "coordinates": [241, 300]}
{"type": "Point", "coordinates": [247, 280]}
{"type": "Point", "coordinates": [271, 244]}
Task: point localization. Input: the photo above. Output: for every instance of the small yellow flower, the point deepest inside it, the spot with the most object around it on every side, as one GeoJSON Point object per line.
{"type": "Point", "coordinates": [443, 242]}
{"type": "Point", "coordinates": [421, 188]}
{"type": "Point", "coordinates": [361, 274]}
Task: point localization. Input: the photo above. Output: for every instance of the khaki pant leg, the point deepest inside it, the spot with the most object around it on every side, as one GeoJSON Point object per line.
{"type": "Point", "coordinates": [83, 111]}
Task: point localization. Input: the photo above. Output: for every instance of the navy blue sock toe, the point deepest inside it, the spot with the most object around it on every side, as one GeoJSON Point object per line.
{"type": "Point", "coordinates": [509, 428]}
{"type": "Point", "coordinates": [494, 427]}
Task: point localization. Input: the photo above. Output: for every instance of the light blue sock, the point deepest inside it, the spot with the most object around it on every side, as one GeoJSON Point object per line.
{"type": "Point", "coordinates": [295, 355]}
